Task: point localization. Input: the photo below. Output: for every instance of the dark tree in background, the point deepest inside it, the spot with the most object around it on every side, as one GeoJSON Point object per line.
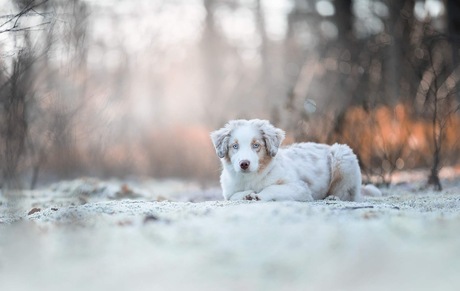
{"type": "Point", "coordinates": [453, 15]}
{"type": "Point", "coordinates": [16, 93]}
{"type": "Point", "coordinates": [33, 123]}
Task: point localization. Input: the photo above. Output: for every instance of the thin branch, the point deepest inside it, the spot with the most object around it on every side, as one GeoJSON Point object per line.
{"type": "Point", "coordinates": [29, 28]}
{"type": "Point", "coordinates": [23, 12]}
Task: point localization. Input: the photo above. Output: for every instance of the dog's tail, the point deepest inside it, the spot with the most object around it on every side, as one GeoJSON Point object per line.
{"type": "Point", "coordinates": [370, 190]}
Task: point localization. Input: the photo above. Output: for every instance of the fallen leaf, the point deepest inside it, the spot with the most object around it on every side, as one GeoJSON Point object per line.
{"type": "Point", "coordinates": [161, 198]}
{"type": "Point", "coordinates": [125, 189]}
{"type": "Point", "coordinates": [33, 210]}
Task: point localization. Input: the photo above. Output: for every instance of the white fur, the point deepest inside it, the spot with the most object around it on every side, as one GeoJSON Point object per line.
{"type": "Point", "coordinates": [301, 172]}
{"type": "Point", "coordinates": [371, 190]}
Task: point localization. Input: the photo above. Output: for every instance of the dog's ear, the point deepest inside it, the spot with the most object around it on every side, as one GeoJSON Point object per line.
{"type": "Point", "coordinates": [220, 139]}
{"type": "Point", "coordinates": [272, 136]}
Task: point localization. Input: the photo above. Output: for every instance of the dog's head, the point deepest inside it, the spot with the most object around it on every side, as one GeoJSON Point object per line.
{"type": "Point", "coordinates": [248, 145]}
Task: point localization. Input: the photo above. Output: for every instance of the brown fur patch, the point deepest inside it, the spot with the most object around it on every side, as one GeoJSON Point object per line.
{"type": "Point", "coordinates": [264, 158]}
{"type": "Point", "coordinates": [280, 182]}
{"type": "Point", "coordinates": [336, 179]}
{"type": "Point", "coordinates": [230, 152]}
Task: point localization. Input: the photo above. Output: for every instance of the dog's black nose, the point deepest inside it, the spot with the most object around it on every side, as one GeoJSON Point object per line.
{"type": "Point", "coordinates": [244, 164]}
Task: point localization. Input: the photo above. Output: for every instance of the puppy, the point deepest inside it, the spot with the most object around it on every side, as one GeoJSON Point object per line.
{"type": "Point", "coordinates": [254, 167]}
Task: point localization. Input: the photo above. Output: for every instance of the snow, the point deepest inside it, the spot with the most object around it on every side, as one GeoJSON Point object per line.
{"type": "Point", "coordinates": [110, 235]}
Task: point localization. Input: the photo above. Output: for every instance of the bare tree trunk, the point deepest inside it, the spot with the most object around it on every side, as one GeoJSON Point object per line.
{"type": "Point", "coordinates": [346, 43]}
{"type": "Point", "coordinates": [344, 20]}
{"type": "Point", "coordinates": [392, 54]}
{"type": "Point", "coordinates": [441, 107]}
{"type": "Point", "coordinates": [433, 179]}
{"type": "Point", "coordinates": [265, 75]}
{"type": "Point", "coordinates": [212, 61]}
{"type": "Point", "coordinates": [453, 17]}
{"type": "Point", "coordinates": [14, 124]}
{"type": "Point", "coordinates": [407, 90]}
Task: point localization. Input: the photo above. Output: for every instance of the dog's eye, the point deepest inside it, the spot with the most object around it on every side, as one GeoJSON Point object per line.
{"type": "Point", "coordinates": [235, 146]}
{"type": "Point", "coordinates": [255, 145]}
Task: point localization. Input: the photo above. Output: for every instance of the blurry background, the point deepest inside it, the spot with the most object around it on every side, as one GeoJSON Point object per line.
{"type": "Point", "coordinates": [120, 88]}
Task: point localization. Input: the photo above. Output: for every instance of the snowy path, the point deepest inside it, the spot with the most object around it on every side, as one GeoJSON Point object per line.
{"type": "Point", "coordinates": [399, 242]}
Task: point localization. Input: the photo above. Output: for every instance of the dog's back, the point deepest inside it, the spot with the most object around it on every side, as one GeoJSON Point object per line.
{"type": "Point", "coordinates": [327, 170]}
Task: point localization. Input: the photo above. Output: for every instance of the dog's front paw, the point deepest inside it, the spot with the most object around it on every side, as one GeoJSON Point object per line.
{"type": "Point", "coordinates": [332, 198]}
{"type": "Point", "coordinates": [252, 196]}
{"type": "Point", "coordinates": [243, 195]}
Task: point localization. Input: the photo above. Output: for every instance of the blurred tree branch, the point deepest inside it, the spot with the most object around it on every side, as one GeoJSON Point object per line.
{"type": "Point", "coordinates": [16, 92]}
{"type": "Point", "coordinates": [29, 7]}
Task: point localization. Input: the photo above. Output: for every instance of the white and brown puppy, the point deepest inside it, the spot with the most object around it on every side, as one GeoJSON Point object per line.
{"type": "Point", "coordinates": [256, 168]}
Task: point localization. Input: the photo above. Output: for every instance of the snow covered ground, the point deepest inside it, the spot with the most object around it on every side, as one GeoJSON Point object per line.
{"type": "Point", "coordinates": [94, 235]}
